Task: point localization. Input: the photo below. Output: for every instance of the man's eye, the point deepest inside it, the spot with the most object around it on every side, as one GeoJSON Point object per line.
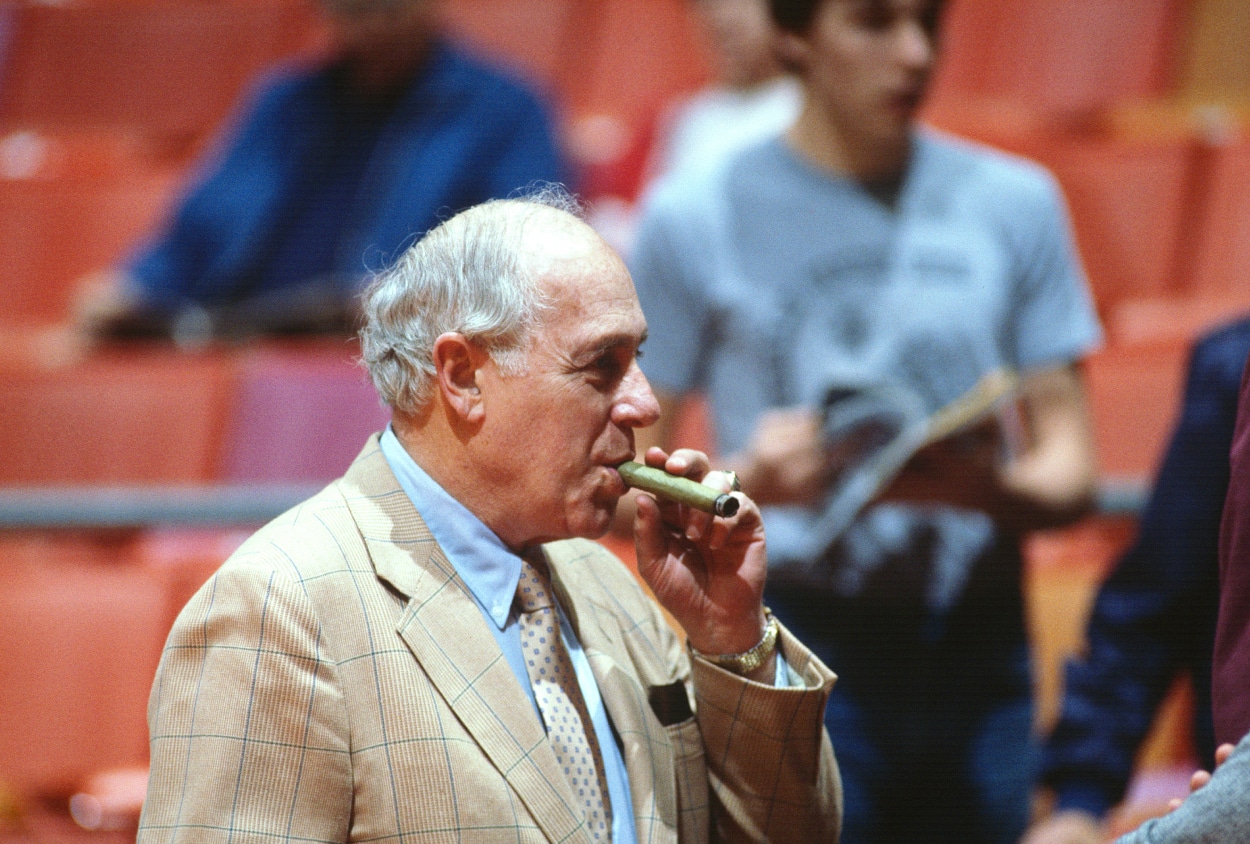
{"type": "Point", "coordinates": [607, 367]}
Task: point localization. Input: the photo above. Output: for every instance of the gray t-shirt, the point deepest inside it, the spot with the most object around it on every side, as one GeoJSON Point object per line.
{"type": "Point", "coordinates": [767, 282]}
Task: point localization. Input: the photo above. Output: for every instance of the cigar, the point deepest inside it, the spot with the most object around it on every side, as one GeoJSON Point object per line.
{"type": "Point", "coordinates": [679, 489]}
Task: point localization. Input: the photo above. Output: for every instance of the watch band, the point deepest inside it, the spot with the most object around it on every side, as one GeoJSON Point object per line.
{"type": "Point", "coordinates": [747, 661]}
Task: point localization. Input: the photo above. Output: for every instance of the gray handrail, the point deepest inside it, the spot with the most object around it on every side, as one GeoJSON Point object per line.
{"type": "Point", "coordinates": [67, 507]}
{"type": "Point", "coordinates": [145, 506]}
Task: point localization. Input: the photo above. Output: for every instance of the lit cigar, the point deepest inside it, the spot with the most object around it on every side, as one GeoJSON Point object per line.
{"type": "Point", "coordinates": [679, 489]}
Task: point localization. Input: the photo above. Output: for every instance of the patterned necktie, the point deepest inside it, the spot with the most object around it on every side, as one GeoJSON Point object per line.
{"type": "Point", "coordinates": [569, 728]}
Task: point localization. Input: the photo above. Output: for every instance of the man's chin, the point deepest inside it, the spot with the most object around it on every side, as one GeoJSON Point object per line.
{"type": "Point", "coordinates": [597, 525]}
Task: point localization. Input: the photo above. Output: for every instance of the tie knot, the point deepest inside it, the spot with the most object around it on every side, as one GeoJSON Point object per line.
{"type": "Point", "coordinates": [533, 590]}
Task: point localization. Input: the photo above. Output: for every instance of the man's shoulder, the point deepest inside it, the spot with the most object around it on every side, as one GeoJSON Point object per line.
{"type": "Point", "coordinates": [306, 542]}
{"type": "Point", "coordinates": [981, 166]}
{"type": "Point", "coordinates": [692, 199]}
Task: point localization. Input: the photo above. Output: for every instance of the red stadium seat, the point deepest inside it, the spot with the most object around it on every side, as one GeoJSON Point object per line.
{"type": "Point", "coordinates": [301, 414]}
{"type": "Point", "coordinates": [80, 636]}
{"type": "Point", "coordinates": [625, 60]}
{"type": "Point", "coordinates": [1060, 55]}
{"type": "Point", "coordinates": [1128, 202]}
{"type": "Point", "coordinates": [170, 68]}
{"type": "Point", "coordinates": [146, 417]}
{"type": "Point", "coordinates": [1135, 397]}
{"type": "Point", "coordinates": [71, 203]}
{"type": "Point", "coordinates": [531, 35]}
{"type": "Point", "coordinates": [1222, 257]}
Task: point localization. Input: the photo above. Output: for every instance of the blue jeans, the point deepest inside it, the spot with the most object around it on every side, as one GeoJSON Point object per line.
{"type": "Point", "coordinates": [931, 717]}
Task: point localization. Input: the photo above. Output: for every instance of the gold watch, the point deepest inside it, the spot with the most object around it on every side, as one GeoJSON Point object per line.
{"type": "Point", "coordinates": [747, 661]}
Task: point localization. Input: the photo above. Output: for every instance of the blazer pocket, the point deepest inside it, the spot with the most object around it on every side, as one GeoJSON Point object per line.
{"type": "Point", "coordinates": [670, 703]}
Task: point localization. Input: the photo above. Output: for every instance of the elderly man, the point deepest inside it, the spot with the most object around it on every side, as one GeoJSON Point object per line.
{"type": "Point", "coordinates": [382, 664]}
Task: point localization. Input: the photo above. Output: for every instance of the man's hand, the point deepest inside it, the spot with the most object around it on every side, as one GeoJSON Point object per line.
{"type": "Point", "coordinates": [1201, 778]}
{"type": "Point", "coordinates": [707, 572]}
{"type": "Point", "coordinates": [787, 461]}
{"type": "Point", "coordinates": [1066, 827]}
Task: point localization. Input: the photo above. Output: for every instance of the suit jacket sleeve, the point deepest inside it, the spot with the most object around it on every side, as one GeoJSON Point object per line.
{"type": "Point", "coordinates": [770, 762]}
{"type": "Point", "coordinates": [272, 767]}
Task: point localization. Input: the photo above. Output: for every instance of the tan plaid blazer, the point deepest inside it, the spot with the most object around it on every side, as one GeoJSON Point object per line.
{"type": "Point", "coordinates": [335, 681]}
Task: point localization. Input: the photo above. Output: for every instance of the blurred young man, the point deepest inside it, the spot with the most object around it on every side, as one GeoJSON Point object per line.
{"type": "Point", "coordinates": [861, 249]}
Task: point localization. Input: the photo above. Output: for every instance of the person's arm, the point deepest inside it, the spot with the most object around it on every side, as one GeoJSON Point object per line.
{"type": "Point", "coordinates": [1154, 615]}
{"type": "Point", "coordinates": [1051, 482]}
{"type": "Point", "coordinates": [769, 758]}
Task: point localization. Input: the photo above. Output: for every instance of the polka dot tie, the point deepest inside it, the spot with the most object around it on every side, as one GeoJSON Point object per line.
{"type": "Point", "coordinates": [560, 699]}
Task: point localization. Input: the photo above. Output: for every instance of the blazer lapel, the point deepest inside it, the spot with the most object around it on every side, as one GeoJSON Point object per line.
{"type": "Point", "coordinates": [443, 627]}
{"type": "Point", "coordinates": [645, 744]}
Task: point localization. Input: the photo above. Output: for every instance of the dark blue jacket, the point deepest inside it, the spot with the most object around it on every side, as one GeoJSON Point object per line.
{"type": "Point", "coordinates": [1154, 617]}
{"type": "Point", "coordinates": [460, 135]}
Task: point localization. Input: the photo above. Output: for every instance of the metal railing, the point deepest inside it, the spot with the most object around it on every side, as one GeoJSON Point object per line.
{"type": "Point", "coordinates": [146, 506]}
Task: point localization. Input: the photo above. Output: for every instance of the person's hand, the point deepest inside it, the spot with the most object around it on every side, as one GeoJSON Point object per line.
{"type": "Point", "coordinates": [1069, 826]}
{"type": "Point", "coordinates": [786, 461]}
{"type": "Point", "coordinates": [963, 470]}
{"type": "Point", "coordinates": [1201, 778]}
{"type": "Point", "coordinates": [708, 572]}
{"type": "Point", "coordinates": [101, 298]}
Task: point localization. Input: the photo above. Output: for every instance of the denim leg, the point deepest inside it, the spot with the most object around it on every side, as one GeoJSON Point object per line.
{"type": "Point", "coordinates": [933, 738]}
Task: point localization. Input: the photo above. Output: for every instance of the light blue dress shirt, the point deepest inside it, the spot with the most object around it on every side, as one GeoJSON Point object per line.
{"type": "Point", "coordinates": [491, 573]}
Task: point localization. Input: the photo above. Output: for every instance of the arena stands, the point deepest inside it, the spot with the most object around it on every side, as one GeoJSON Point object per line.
{"type": "Point", "coordinates": [1138, 106]}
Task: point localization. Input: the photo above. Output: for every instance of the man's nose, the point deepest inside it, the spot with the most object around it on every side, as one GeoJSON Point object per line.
{"type": "Point", "coordinates": [636, 405]}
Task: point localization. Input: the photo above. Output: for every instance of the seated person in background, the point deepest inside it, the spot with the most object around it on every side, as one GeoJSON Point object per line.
{"type": "Point", "coordinates": [753, 97]}
{"type": "Point", "coordinates": [1154, 617]}
{"type": "Point", "coordinates": [332, 172]}
{"type": "Point", "coordinates": [358, 669]}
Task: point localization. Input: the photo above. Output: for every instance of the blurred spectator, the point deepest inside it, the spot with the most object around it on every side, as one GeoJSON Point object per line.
{"type": "Point", "coordinates": [753, 97]}
{"type": "Point", "coordinates": [859, 249]}
{"type": "Point", "coordinates": [1217, 811]}
{"type": "Point", "coordinates": [1154, 617]}
{"type": "Point", "coordinates": [1230, 684]}
{"type": "Point", "coordinates": [333, 171]}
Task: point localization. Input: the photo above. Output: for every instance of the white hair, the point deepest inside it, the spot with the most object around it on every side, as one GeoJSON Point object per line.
{"type": "Point", "coordinates": [470, 275]}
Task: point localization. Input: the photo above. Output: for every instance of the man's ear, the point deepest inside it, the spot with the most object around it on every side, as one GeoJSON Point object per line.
{"type": "Point", "coordinates": [457, 364]}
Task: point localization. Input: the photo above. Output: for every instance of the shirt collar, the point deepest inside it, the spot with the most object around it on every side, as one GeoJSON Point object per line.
{"type": "Point", "coordinates": [484, 563]}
